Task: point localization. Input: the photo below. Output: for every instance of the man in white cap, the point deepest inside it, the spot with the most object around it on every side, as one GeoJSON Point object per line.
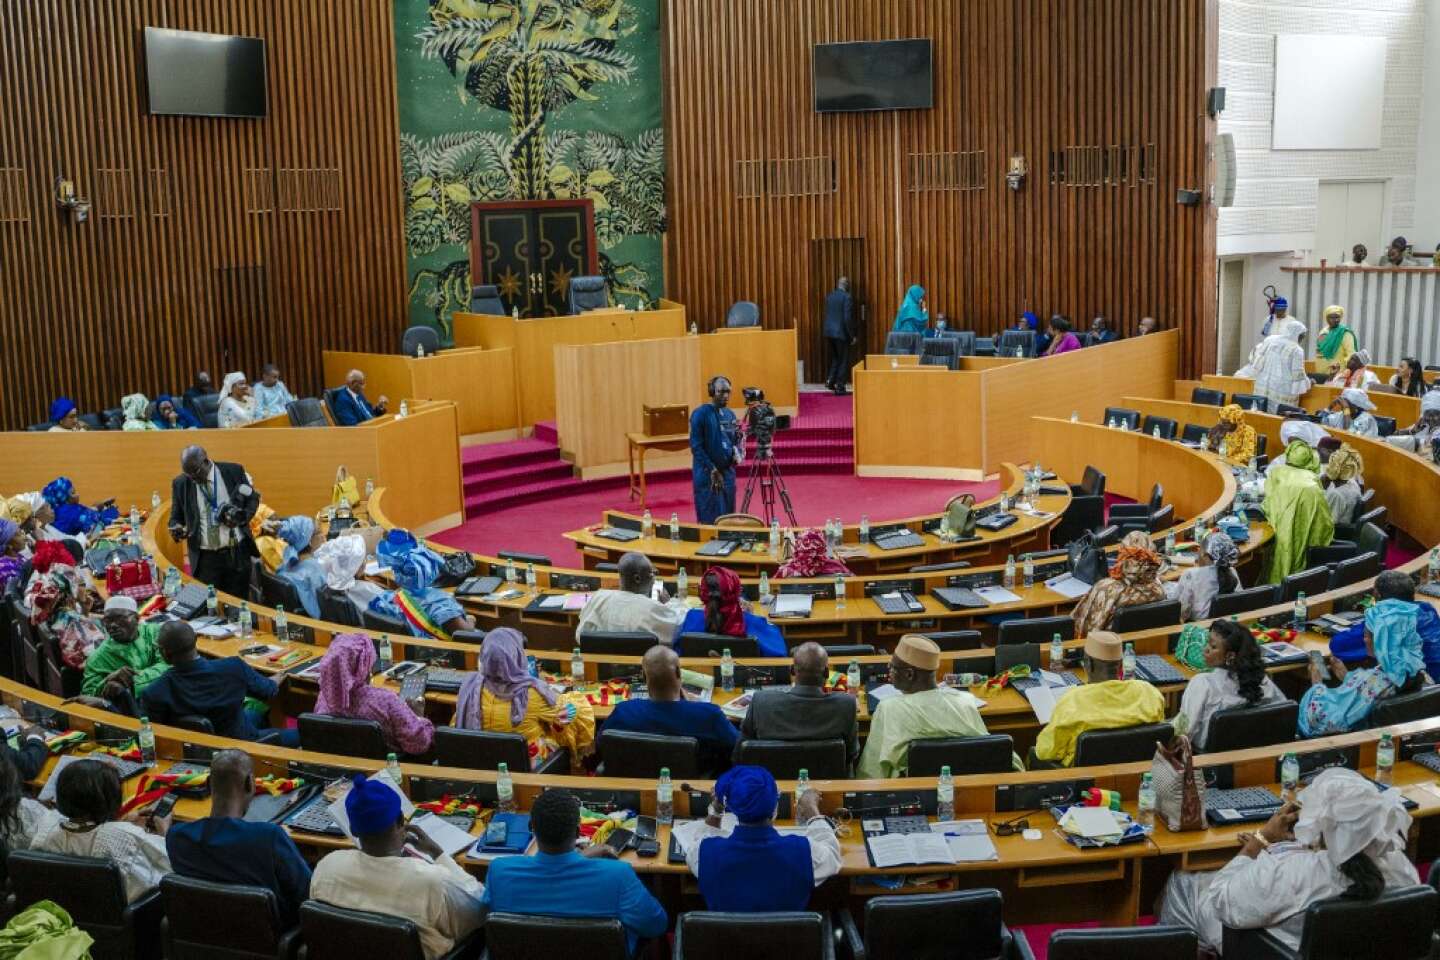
{"type": "Point", "coordinates": [922, 711]}
{"type": "Point", "coordinates": [1353, 411]}
{"type": "Point", "coordinates": [129, 659]}
{"type": "Point", "coordinates": [1420, 437]}
{"type": "Point", "coordinates": [1105, 702]}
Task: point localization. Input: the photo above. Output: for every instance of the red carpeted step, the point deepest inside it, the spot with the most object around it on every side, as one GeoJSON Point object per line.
{"type": "Point", "coordinates": [510, 453]}
{"type": "Point", "coordinates": [524, 475]}
{"type": "Point", "coordinates": [489, 501]}
{"type": "Point", "coordinates": [545, 431]}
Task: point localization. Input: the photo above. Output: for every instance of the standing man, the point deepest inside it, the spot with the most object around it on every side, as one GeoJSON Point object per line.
{"type": "Point", "coordinates": [211, 505]}
{"type": "Point", "coordinates": [839, 332]}
{"type": "Point", "coordinates": [715, 449]}
{"type": "Point", "coordinates": [1279, 313]}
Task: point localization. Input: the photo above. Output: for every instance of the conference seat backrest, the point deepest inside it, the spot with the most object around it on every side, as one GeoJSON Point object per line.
{"type": "Point", "coordinates": [951, 640]}
{"type": "Point", "coordinates": [1013, 655]}
{"type": "Point", "coordinates": [641, 755]}
{"type": "Point", "coordinates": [621, 642]}
{"type": "Point", "coordinates": [743, 313]}
{"type": "Point", "coordinates": [92, 891]}
{"type": "Point", "coordinates": [1251, 401]}
{"type": "Point", "coordinates": [929, 925]}
{"type": "Point", "coordinates": [307, 412]}
{"type": "Point", "coordinates": [1243, 728]}
{"type": "Point", "coordinates": [334, 933]}
{"type": "Point", "coordinates": [277, 591]}
{"type": "Point", "coordinates": [1009, 340]}
{"type": "Point", "coordinates": [336, 607]}
{"type": "Point", "coordinates": [223, 921]}
{"type": "Point", "coordinates": [902, 343]}
{"type": "Point", "coordinates": [1309, 582]}
{"type": "Point", "coordinates": [700, 644]}
{"type": "Point", "coordinates": [1351, 571]}
{"type": "Point", "coordinates": [512, 936]}
{"type": "Point", "coordinates": [1397, 925]}
{"type": "Point", "coordinates": [1228, 604]}
{"type": "Point", "coordinates": [373, 620]}
{"type": "Point", "coordinates": [939, 352]}
{"type": "Point", "coordinates": [1123, 943]}
{"type": "Point", "coordinates": [1165, 425]}
{"type": "Point", "coordinates": [963, 755]}
{"type": "Point", "coordinates": [964, 341]}
{"type": "Point", "coordinates": [344, 736]}
{"type": "Point", "coordinates": [1035, 630]}
{"type": "Point", "coordinates": [822, 759]}
{"type": "Point", "coordinates": [1402, 708]}
{"type": "Point", "coordinates": [332, 400]}
{"type": "Point", "coordinates": [1208, 397]}
{"type": "Point", "coordinates": [1125, 745]}
{"type": "Point", "coordinates": [1385, 425]}
{"type": "Point", "coordinates": [206, 408]}
{"type": "Point", "coordinates": [712, 935]}
{"type": "Point", "coordinates": [1084, 514]}
{"type": "Point", "coordinates": [1092, 483]}
{"type": "Point", "coordinates": [485, 298]}
{"type": "Point", "coordinates": [420, 335]}
{"type": "Point", "coordinates": [480, 749]}
{"type": "Point", "coordinates": [588, 293]}
{"type": "Point", "coordinates": [839, 651]}
{"type": "Point", "coordinates": [1146, 616]}
{"type": "Point", "coordinates": [1194, 433]}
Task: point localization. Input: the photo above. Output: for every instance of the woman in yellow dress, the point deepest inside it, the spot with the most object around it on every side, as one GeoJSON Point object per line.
{"type": "Point", "coordinates": [504, 698]}
{"type": "Point", "coordinates": [1238, 435]}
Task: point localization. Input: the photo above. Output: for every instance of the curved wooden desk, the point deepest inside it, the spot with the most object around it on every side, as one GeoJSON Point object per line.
{"type": "Point", "coordinates": [1405, 410]}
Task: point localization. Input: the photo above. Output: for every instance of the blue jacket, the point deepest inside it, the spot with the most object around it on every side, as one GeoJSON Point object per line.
{"type": "Point", "coordinates": [768, 636]}
{"type": "Point", "coordinates": [349, 411]}
{"type": "Point", "coordinates": [569, 885]}
{"type": "Point", "coordinates": [1349, 644]}
{"type": "Point", "coordinates": [227, 850]}
{"type": "Point", "coordinates": [755, 869]}
{"type": "Point", "coordinates": [839, 321]}
{"type": "Point", "coordinates": [712, 433]}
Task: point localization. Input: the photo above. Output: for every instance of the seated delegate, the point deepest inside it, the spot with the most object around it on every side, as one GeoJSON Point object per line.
{"type": "Point", "coordinates": [1235, 677]}
{"type": "Point", "coordinates": [237, 405]}
{"type": "Point", "coordinates": [129, 658]}
{"type": "Point", "coordinates": [1104, 702]}
{"type": "Point", "coordinates": [1061, 339]}
{"type": "Point", "coordinates": [350, 405]}
{"type": "Point", "coordinates": [667, 712]}
{"type": "Point", "coordinates": [634, 607]}
{"type": "Point", "coordinates": [1353, 411]}
{"type": "Point", "coordinates": [346, 691]}
{"type": "Point", "coordinates": [1341, 483]}
{"type": "Point", "coordinates": [912, 317]}
{"type": "Point", "coordinates": [724, 613]}
{"type": "Point", "coordinates": [1349, 644]}
{"type": "Point", "coordinates": [416, 600]}
{"type": "Point", "coordinates": [297, 567]}
{"type": "Point", "coordinates": [65, 417]}
{"type": "Point", "coordinates": [1420, 436]}
{"type": "Point", "coordinates": [340, 560]}
{"type": "Point", "coordinates": [804, 711]}
{"type": "Point", "coordinates": [271, 394]}
{"type": "Point", "coordinates": [1134, 580]}
{"type": "Point", "coordinates": [1392, 640]}
{"type": "Point", "coordinates": [1232, 437]}
{"type": "Point", "coordinates": [1213, 574]}
{"type": "Point", "coordinates": [1297, 510]}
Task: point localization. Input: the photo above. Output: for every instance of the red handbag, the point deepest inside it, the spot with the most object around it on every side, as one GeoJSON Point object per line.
{"type": "Point", "coordinates": [133, 578]}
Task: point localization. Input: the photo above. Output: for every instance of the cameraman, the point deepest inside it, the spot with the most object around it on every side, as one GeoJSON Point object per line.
{"type": "Point", "coordinates": [210, 509]}
{"type": "Point", "coordinates": [715, 449]}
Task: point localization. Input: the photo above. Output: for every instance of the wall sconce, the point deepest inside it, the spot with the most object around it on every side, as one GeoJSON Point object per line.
{"type": "Point", "coordinates": [1015, 177]}
{"type": "Point", "coordinates": [65, 199]}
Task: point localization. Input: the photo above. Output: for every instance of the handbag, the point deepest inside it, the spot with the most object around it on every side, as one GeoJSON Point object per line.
{"type": "Point", "coordinates": [1190, 648]}
{"type": "Point", "coordinates": [960, 515]}
{"type": "Point", "coordinates": [346, 487]}
{"type": "Point", "coordinates": [1179, 790]}
{"type": "Point", "coordinates": [1087, 560]}
{"type": "Point", "coordinates": [131, 578]}
{"type": "Point", "coordinates": [455, 569]}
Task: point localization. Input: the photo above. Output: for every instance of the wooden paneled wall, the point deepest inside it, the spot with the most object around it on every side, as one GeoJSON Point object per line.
{"type": "Point", "coordinates": [212, 243]}
{"type": "Point", "coordinates": [1105, 99]}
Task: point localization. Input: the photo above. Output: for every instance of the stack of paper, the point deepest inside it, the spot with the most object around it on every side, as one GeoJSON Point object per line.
{"type": "Point", "coordinates": [968, 840]}
{"type": "Point", "coordinates": [993, 595]}
{"type": "Point", "coordinates": [1093, 823]}
{"type": "Point", "coordinates": [793, 605]}
{"type": "Point", "coordinates": [1068, 586]}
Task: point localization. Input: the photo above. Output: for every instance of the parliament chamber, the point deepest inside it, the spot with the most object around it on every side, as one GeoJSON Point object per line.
{"type": "Point", "coordinates": [594, 564]}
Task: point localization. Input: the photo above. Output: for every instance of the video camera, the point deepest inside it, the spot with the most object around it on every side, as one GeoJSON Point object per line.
{"type": "Point", "coordinates": [759, 420]}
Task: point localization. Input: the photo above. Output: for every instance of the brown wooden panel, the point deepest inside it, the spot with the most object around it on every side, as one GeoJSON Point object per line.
{"type": "Point", "coordinates": [188, 261]}
{"type": "Point", "coordinates": [1110, 90]}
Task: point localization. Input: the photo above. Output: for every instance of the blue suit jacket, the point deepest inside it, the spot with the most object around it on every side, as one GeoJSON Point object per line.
{"type": "Point", "coordinates": [350, 411]}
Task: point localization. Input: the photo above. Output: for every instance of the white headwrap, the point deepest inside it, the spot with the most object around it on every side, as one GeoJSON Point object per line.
{"type": "Point", "coordinates": [230, 380]}
{"type": "Point", "coordinates": [1292, 330]}
{"type": "Point", "coordinates": [340, 559]}
{"type": "Point", "coordinates": [1357, 397]}
{"type": "Point", "coordinates": [1311, 433]}
{"type": "Point", "coordinates": [1362, 355]}
{"type": "Point", "coordinates": [1345, 810]}
{"type": "Point", "coordinates": [1430, 402]}
{"type": "Point", "coordinates": [34, 498]}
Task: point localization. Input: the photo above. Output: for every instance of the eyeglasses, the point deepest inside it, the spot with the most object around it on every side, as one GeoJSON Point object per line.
{"type": "Point", "coordinates": [1014, 825]}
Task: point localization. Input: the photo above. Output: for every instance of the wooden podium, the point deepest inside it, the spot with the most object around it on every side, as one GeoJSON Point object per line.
{"type": "Point", "coordinates": [481, 382]}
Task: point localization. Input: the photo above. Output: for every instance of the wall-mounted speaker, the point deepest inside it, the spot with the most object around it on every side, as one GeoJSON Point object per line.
{"type": "Point", "coordinates": [1189, 198]}
{"type": "Point", "coordinates": [1215, 101]}
{"type": "Point", "coordinates": [1224, 170]}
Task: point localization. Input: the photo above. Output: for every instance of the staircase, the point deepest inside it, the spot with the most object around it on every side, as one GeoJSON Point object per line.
{"type": "Point", "coordinates": [820, 440]}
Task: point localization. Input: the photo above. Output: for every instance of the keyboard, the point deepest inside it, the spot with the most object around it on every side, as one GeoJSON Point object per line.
{"type": "Point", "coordinates": [1022, 684]}
{"type": "Point", "coordinates": [717, 548]}
{"type": "Point", "coordinates": [909, 823]}
{"type": "Point", "coordinates": [478, 586]}
{"type": "Point", "coordinates": [444, 680]}
{"type": "Point", "coordinates": [615, 533]}
{"type": "Point", "coordinates": [1430, 760]}
{"type": "Point", "coordinates": [1157, 670]}
{"type": "Point", "coordinates": [315, 817]}
{"type": "Point", "coordinates": [1240, 805]}
{"type": "Point", "coordinates": [899, 540]}
{"type": "Point", "coordinates": [901, 602]}
{"type": "Point", "coordinates": [958, 598]}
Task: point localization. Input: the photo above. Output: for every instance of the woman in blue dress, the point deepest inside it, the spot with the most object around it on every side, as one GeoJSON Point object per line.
{"type": "Point", "coordinates": [1391, 638]}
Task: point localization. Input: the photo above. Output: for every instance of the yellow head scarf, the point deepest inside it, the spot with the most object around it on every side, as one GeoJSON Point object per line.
{"type": "Point", "coordinates": [1344, 464]}
{"type": "Point", "coordinates": [16, 508]}
{"type": "Point", "coordinates": [1240, 440]}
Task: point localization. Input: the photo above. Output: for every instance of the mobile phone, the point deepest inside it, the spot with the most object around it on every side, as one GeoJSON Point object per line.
{"type": "Point", "coordinates": [645, 828]}
{"type": "Point", "coordinates": [496, 832]}
{"type": "Point", "coordinates": [647, 848]}
{"type": "Point", "coordinates": [163, 808]}
{"type": "Point", "coordinates": [619, 839]}
{"type": "Point", "coordinates": [254, 651]}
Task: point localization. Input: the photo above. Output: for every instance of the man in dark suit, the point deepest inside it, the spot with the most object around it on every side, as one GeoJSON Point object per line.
{"type": "Point", "coordinates": [839, 332]}
{"type": "Point", "coordinates": [1100, 332]}
{"type": "Point", "coordinates": [211, 505]}
{"type": "Point", "coordinates": [350, 404]}
{"type": "Point", "coordinates": [805, 711]}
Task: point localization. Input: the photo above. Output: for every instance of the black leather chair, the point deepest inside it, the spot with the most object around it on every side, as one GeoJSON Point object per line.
{"type": "Point", "coordinates": [903, 343]}
{"type": "Point", "coordinates": [964, 341]}
{"type": "Point", "coordinates": [1146, 616]}
{"type": "Point", "coordinates": [822, 759]}
{"type": "Point", "coordinates": [513, 936]}
{"type": "Point", "coordinates": [984, 346]}
{"type": "Point", "coordinates": [334, 933]}
{"type": "Point", "coordinates": [1124, 943]}
{"type": "Point", "coordinates": [1368, 539]}
{"type": "Point", "coordinates": [1309, 582]}
{"type": "Point", "coordinates": [485, 298]}
{"type": "Point", "coordinates": [1092, 483]}
{"type": "Point", "coordinates": [1251, 401]}
{"type": "Point", "coordinates": [959, 925]}
{"type": "Point", "coordinates": [627, 754]}
{"type": "Point", "coordinates": [1397, 925]}
{"type": "Point", "coordinates": [743, 313]}
{"type": "Point", "coordinates": [114, 419]}
{"type": "Point", "coordinates": [1212, 398]}
{"type": "Point", "coordinates": [206, 408]}
{"type": "Point", "coordinates": [1034, 630]}
{"type": "Point", "coordinates": [420, 335]}
{"type": "Point", "coordinates": [1009, 340]}
{"type": "Point", "coordinates": [1346, 572]}
{"type": "Point", "coordinates": [838, 651]}
{"type": "Point", "coordinates": [1364, 514]}
{"type": "Point", "coordinates": [307, 412]}
{"type": "Point", "coordinates": [93, 893]}
{"type": "Point", "coordinates": [1229, 604]}
{"type": "Point", "coordinates": [1129, 419]}
{"type": "Point", "coordinates": [622, 642]}
{"type": "Point", "coordinates": [1194, 433]}
{"type": "Point", "coordinates": [712, 935]}
{"type": "Point", "coordinates": [951, 640]}
{"type": "Point", "coordinates": [93, 421]}
{"type": "Point", "coordinates": [1385, 425]}
{"type": "Point", "coordinates": [1241, 728]}
{"type": "Point", "coordinates": [59, 678]}
{"type": "Point", "coordinates": [338, 608]}
{"type": "Point", "coordinates": [343, 736]}
{"type": "Point", "coordinates": [987, 754]}
{"type": "Point", "coordinates": [222, 921]}
{"type": "Point", "coordinates": [939, 352]}
{"type": "Point", "coordinates": [588, 293]}
{"type": "Point", "coordinates": [331, 398]}
{"type": "Point", "coordinates": [277, 591]}
{"type": "Point", "coordinates": [700, 644]}
{"type": "Point", "coordinates": [1402, 708]}
{"type": "Point", "coordinates": [194, 723]}
{"type": "Point", "coordinates": [1290, 411]}
{"type": "Point", "coordinates": [372, 620]}
{"type": "Point", "coordinates": [1083, 515]}
{"type": "Point", "coordinates": [1166, 425]}
{"type": "Point", "coordinates": [1017, 654]}
{"type": "Point", "coordinates": [1125, 745]}
{"type": "Point", "coordinates": [486, 750]}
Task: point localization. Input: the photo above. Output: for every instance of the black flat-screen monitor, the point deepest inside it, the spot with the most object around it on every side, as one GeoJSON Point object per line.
{"type": "Point", "coordinates": [204, 74]}
{"type": "Point", "coordinates": [873, 75]}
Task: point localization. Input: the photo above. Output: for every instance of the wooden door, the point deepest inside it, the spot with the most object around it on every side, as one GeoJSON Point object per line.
{"type": "Point", "coordinates": [530, 249]}
{"type": "Point", "coordinates": [830, 259]}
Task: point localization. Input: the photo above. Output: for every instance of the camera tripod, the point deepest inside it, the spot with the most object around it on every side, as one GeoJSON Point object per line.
{"type": "Point", "coordinates": [765, 471]}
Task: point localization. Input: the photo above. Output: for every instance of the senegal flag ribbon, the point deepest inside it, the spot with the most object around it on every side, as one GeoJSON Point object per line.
{"type": "Point", "coordinates": [415, 614]}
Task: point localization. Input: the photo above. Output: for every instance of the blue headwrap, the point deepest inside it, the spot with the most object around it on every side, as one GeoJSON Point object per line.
{"type": "Point", "coordinates": [1280, 304]}
{"type": "Point", "coordinates": [8, 529]}
{"type": "Point", "coordinates": [58, 492]}
{"type": "Point", "coordinates": [912, 317]}
{"type": "Point", "coordinates": [1397, 643]}
{"type": "Point", "coordinates": [1031, 320]}
{"type": "Point", "coordinates": [184, 419]}
{"type": "Point", "coordinates": [61, 408]}
{"type": "Point", "coordinates": [372, 807]}
{"type": "Point", "coordinates": [296, 531]}
{"type": "Point", "coordinates": [748, 792]}
{"type": "Point", "coordinates": [397, 543]}
{"type": "Point", "coordinates": [413, 566]}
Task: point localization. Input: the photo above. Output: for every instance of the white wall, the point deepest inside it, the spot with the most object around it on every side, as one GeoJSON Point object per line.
{"type": "Point", "coordinates": [1427, 185]}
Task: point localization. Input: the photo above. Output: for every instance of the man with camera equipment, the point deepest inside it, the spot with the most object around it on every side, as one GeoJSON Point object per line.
{"type": "Point", "coordinates": [715, 449]}
{"type": "Point", "coordinates": [210, 509]}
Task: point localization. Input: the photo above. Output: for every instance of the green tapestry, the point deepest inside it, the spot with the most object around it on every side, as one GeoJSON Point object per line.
{"type": "Point", "coordinates": [529, 100]}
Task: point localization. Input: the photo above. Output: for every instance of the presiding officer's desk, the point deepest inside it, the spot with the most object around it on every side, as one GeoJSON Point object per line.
{"type": "Point", "coordinates": [1044, 880]}
{"type": "Point", "coordinates": [481, 383]}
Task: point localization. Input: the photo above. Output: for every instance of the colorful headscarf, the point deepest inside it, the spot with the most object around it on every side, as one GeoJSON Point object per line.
{"type": "Point", "coordinates": [1136, 562]}
{"type": "Point", "coordinates": [341, 559]}
{"type": "Point", "coordinates": [1239, 436]}
{"type": "Point", "coordinates": [1292, 330]}
{"type": "Point", "coordinates": [58, 492]}
{"type": "Point", "coordinates": [18, 508]}
{"type": "Point", "coordinates": [345, 674]}
{"type": "Point", "coordinates": [748, 792]}
{"type": "Point", "coordinates": [1397, 643]}
{"type": "Point", "coordinates": [61, 408]}
{"type": "Point", "coordinates": [726, 606]}
{"type": "Point", "coordinates": [810, 558]}
{"type": "Point", "coordinates": [1344, 464]}
{"type": "Point", "coordinates": [8, 529]}
{"type": "Point", "coordinates": [134, 407]}
{"type": "Point", "coordinates": [1032, 321]}
{"type": "Point", "coordinates": [231, 379]}
{"type": "Point", "coordinates": [48, 592]}
{"type": "Point", "coordinates": [1280, 304]}
{"type": "Point", "coordinates": [1221, 549]}
{"type": "Point", "coordinates": [49, 553]}
{"type": "Point", "coordinates": [504, 673]}
{"type": "Point", "coordinates": [1303, 456]}
{"type": "Point", "coordinates": [1342, 813]}
{"type": "Point", "coordinates": [1330, 341]}
{"type": "Point", "coordinates": [296, 531]}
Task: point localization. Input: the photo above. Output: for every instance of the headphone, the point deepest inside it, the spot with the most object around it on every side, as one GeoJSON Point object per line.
{"type": "Point", "coordinates": [710, 384]}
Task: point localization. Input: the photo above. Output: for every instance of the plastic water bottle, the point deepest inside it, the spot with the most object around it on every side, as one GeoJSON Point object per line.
{"type": "Point", "coordinates": [764, 585]}
{"type": "Point", "coordinates": [1145, 812]}
{"type": "Point", "coordinates": [1156, 432]}
{"type": "Point", "coordinates": [1020, 353]}
{"type": "Point", "coordinates": [647, 525]}
{"type": "Point", "coordinates": [1170, 544]}
{"type": "Point", "coordinates": [727, 671]}
{"type": "Point", "coordinates": [510, 571]}
{"type": "Point", "coordinates": [392, 770]}
{"type": "Point", "coordinates": [839, 592]}
{"type": "Point", "coordinates": [1113, 425]}
{"type": "Point", "coordinates": [864, 534]}
{"type": "Point", "coordinates": [674, 527]}
{"type": "Point", "coordinates": [1385, 759]}
{"type": "Point", "coordinates": [852, 678]}
{"type": "Point", "coordinates": [682, 583]}
{"type": "Point", "coordinates": [665, 798]}
{"type": "Point", "coordinates": [247, 623]}
{"type": "Point", "coordinates": [146, 741]}
{"type": "Point", "coordinates": [212, 602]}
{"type": "Point", "coordinates": [1224, 449]}
{"type": "Point", "coordinates": [370, 485]}
{"type": "Point", "coordinates": [515, 313]}
{"type": "Point", "coordinates": [1433, 570]}
{"type": "Point", "coordinates": [1289, 777]}
{"type": "Point", "coordinates": [1009, 580]}
{"type": "Point", "coordinates": [135, 519]}
{"type": "Point", "coordinates": [530, 575]}
{"type": "Point", "coordinates": [1198, 534]}
{"type": "Point", "coordinates": [802, 783]}
{"type": "Point", "coordinates": [577, 666]}
{"type": "Point", "coordinates": [504, 789]}
{"type": "Point", "coordinates": [774, 538]}
{"type": "Point", "coordinates": [1057, 652]}
{"type": "Point", "coordinates": [1074, 416]}
{"type": "Point", "coordinates": [404, 409]}
{"type": "Point", "coordinates": [1299, 614]}
{"type": "Point", "coordinates": [1205, 441]}
{"type": "Point", "coordinates": [172, 582]}
{"type": "Point", "coordinates": [387, 655]}
{"type": "Point", "coordinates": [945, 796]}
{"type": "Point", "coordinates": [154, 499]}
{"type": "Point", "coordinates": [1128, 663]}
{"type": "Point", "coordinates": [1029, 571]}
{"type": "Point", "coordinates": [694, 330]}
{"type": "Point", "coordinates": [282, 624]}
{"type": "Point", "coordinates": [419, 351]}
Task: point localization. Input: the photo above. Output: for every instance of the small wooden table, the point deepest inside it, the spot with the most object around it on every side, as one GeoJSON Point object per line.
{"type": "Point", "coordinates": [639, 444]}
